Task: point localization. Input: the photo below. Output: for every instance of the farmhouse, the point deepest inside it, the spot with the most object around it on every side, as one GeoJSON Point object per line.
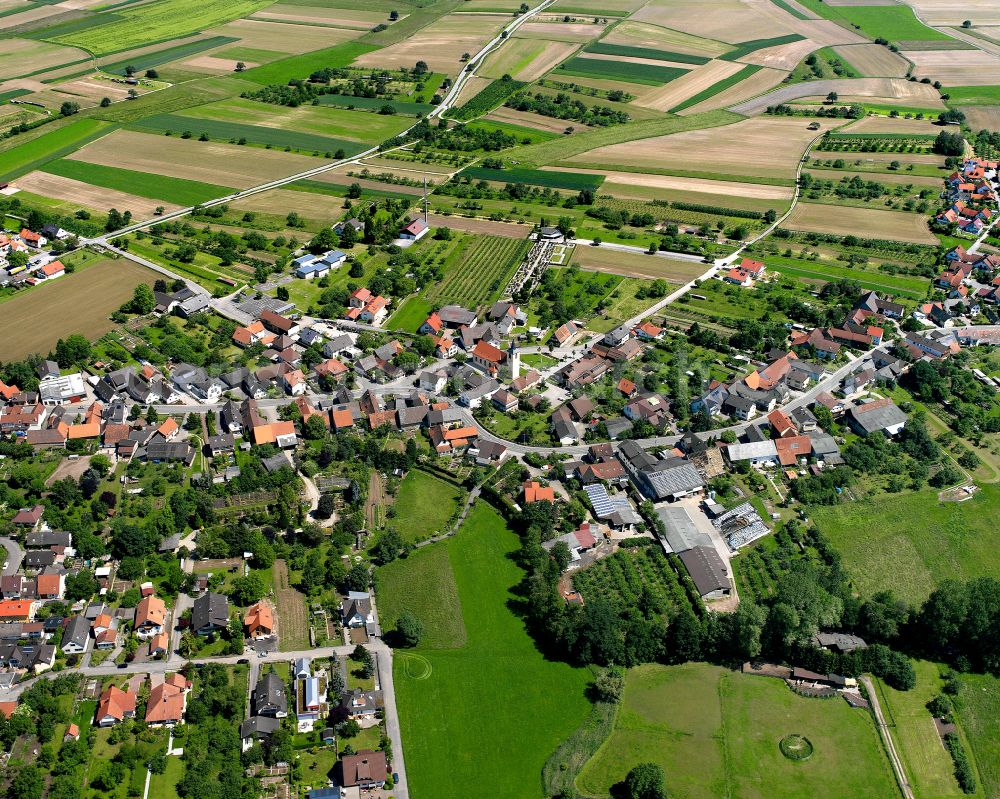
{"type": "Point", "coordinates": [667, 479]}
{"type": "Point", "coordinates": [708, 572]}
{"type": "Point", "coordinates": [882, 415]}
{"type": "Point", "coordinates": [578, 542]}
{"type": "Point", "coordinates": [415, 230]}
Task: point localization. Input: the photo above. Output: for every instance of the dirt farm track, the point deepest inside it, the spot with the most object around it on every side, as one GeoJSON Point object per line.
{"type": "Point", "coordinates": [35, 319]}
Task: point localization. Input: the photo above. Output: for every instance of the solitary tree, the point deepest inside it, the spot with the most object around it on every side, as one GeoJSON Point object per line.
{"type": "Point", "coordinates": [410, 629]}
{"type": "Point", "coordinates": [645, 781]}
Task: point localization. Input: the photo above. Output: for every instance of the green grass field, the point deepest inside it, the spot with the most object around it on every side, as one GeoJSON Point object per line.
{"type": "Point", "coordinates": [142, 184]}
{"type": "Point", "coordinates": [23, 158]}
{"type": "Point", "coordinates": [895, 22]}
{"type": "Point", "coordinates": [482, 718]}
{"type": "Point", "coordinates": [927, 764]}
{"type": "Point", "coordinates": [574, 181]}
{"type": "Point", "coordinates": [424, 505]}
{"type": "Point", "coordinates": [884, 549]}
{"type": "Point", "coordinates": [974, 95]}
{"type": "Point", "coordinates": [300, 66]}
{"type": "Point", "coordinates": [524, 134]}
{"type": "Point", "coordinates": [619, 70]}
{"type": "Point", "coordinates": [423, 584]}
{"type": "Point", "coordinates": [164, 786]}
{"type": "Point", "coordinates": [716, 733]}
{"type": "Point", "coordinates": [410, 315]}
{"type": "Point", "coordinates": [155, 59]}
{"type": "Point", "coordinates": [979, 714]}
{"type": "Point", "coordinates": [901, 285]}
{"type": "Point", "coordinates": [374, 104]}
{"type": "Point", "coordinates": [159, 21]}
{"type": "Point", "coordinates": [716, 88]}
{"type": "Point", "coordinates": [602, 48]}
{"type": "Point", "coordinates": [254, 134]}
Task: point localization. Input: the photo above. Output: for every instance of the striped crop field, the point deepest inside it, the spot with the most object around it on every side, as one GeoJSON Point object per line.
{"type": "Point", "coordinates": [179, 191]}
{"type": "Point", "coordinates": [575, 181]}
{"type": "Point", "coordinates": [482, 268]}
{"type": "Point", "coordinates": [648, 74]}
{"type": "Point", "coordinates": [631, 51]}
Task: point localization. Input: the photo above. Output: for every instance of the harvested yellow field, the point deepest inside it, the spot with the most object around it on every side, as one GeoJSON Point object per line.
{"type": "Point", "coordinates": [956, 67]}
{"type": "Point", "coordinates": [215, 65]}
{"type": "Point", "coordinates": [720, 188]}
{"type": "Point", "coordinates": [824, 32]}
{"type": "Point", "coordinates": [982, 117]}
{"type": "Point", "coordinates": [730, 21]}
{"type": "Point", "coordinates": [561, 31]}
{"type": "Point", "coordinates": [338, 178]}
{"type": "Point", "coordinates": [526, 59]}
{"type": "Point", "coordinates": [338, 17]}
{"type": "Point", "coordinates": [93, 198]}
{"type": "Point", "coordinates": [954, 12]}
{"type": "Point", "coordinates": [598, 6]}
{"type": "Point", "coordinates": [26, 56]}
{"type": "Point", "coordinates": [784, 56]}
{"type": "Point", "coordinates": [871, 223]}
{"type": "Point", "coordinates": [898, 90]}
{"type": "Point", "coordinates": [761, 81]}
{"type": "Point", "coordinates": [209, 162]}
{"type": "Point", "coordinates": [31, 15]}
{"type": "Point", "coordinates": [765, 147]}
{"type": "Point", "coordinates": [642, 34]}
{"type": "Point", "coordinates": [874, 123]}
{"type": "Point", "coordinates": [393, 163]}
{"type": "Point", "coordinates": [873, 60]}
{"type": "Point", "coordinates": [279, 202]}
{"type": "Point", "coordinates": [282, 38]}
{"type": "Point", "coordinates": [441, 44]}
{"type": "Point", "coordinates": [484, 227]}
{"type": "Point", "coordinates": [537, 121]}
{"type": "Point", "coordinates": [616, 262]}
{"type": "Point", "coordinates": [663, 98]}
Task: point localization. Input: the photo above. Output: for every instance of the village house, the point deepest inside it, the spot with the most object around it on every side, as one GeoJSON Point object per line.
{"type": "Point", "coordinates": [114, 707]}
{"type": "Point", "coordinates": [168, 701]}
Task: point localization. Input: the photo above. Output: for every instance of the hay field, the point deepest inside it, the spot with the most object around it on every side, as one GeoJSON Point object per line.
{"type": "Point", "coordinates": [620, 181]}
{"type": "Point", "coordinates": [26, 56]}
{"type": "Point", "coordinates": [77, 303]}
{"type": "Point", "coordinates": [282, 38]}
{"type": "Point", "coordinates": [561, 31]}
{"type": "Point", "coordinates": [629, 264]}
{"type": "Point", "coordinates": [881, 124]}
{"type": "Point", "coordinates": [215, 65]}
{"type": "Point", "coordinates": [526, 59]}
{"type": "Point", "coordinates": [531, 120]}
{"type": "Point", "coordinates": [870, 222]}
{"type": "Point", "coordinates": [954, 12]}
{"type": "Point", "coordinates": [873, 60]}
{"type": "Point", "coordinates": [641, 34]}
{"type": "Point", "coordinates": [731, 21]}
{"type": "Point", "coordinates": [765, 147]}
{"type": "Point", "coordinates": [318, 15]}
{"type": "Point", "coordinates": [94, 198]}
{"type": "Point", "coordinates": [956, 67]}
{"type": "Point", "coordinates": [761, 81]}
{"type": "Point", "coordinates": [441, 44]}
{"type": "Point", "coordinates": [982, 117]}
{"type": "Point", "coordinates": [209, 162]}
{"type": "Point", "coordinates": [663, 98]}
{"type": "Point", "coordinates": [308, 205]}
{"type": "Point", "coordinates": [883, 89]}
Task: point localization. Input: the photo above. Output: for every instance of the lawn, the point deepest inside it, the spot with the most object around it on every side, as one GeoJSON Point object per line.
{"type": "Point", "coordinates": [716, 733]}
{"type": "Point", "coordinates": [301, 66]}
{"type": "Point", "coordinates": [425, 505]}
{"type": "Point", "coordinates": [903, 285]}
{"type": "Point", "coordinates": [156, 187]}
{"type": "Point", "coordinates": [410, 315]}
{"type": "Point", "coordinates": [164, 786]}
{"type": "Point", "coordinates": [979, 713]}
{"type": "Point", "coordinates": [159, 21]}
{"type": "Point", "coordinates": [927, 764]}
{"type": "Point", "coordinates": [32, 154]}
{"type": "Point", "coordinates": [424, 584]}
{"type": "Point", "coordinates": [883, 548]}
{"type": "Point", "coordinates": [487, 715]}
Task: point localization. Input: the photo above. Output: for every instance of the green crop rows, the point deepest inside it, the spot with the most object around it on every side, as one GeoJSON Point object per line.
{"type": "Point", "coordinates": [716, 88]}
{"type": "Point", "coordinates": [374, 103]}
{"type": "Point", "coordinates": [620, 70]}
{"type": "Point", "coordinates": [489, 98]}
{"type": "Point", "coordinates": [148, 60]}
{"type": "Point", "coordinates": [645, 52]}
{"type": "Point", "coordinates": [486, 263]}
{"type": "Point", "coordinates": [142, 184]}
{"type": "Point", "coordinates": [745, 48]}
{"type": "Point", "coordinates": [254, 134]}
{"type": "Point", "coordinates": [575, 181]}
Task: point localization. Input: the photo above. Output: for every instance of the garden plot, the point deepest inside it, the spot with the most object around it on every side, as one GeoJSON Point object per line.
{"type": "Point", "coordinates": [27, 57]}
{"type": "Point", "coordinates": [873, 60]}
{"type": "Point", "coordinates": [84, 195]}
{"type": "Point", "coordinates": [210, 162]}
{"type": "Point", "coordinates": [920, 95]}
{"type": "Point", "coordinates": [956, 67]}
{"type": "Point", "coordinates": [283, 38]}
{"type": "Point", "coordinates": [641, 34]}
{"type": "Point", "coordinates": [526, 59]}
{"type": "Point", "coordinates": [441, 44]}
{"type": "Point", "coordinates": [871, 222]}
{"type": "Point", "coordinates": [686, 86]}
{"type": "Point", "coordinates": [765, 147]}
{"type": "Point", "coordinates": [760, 81]}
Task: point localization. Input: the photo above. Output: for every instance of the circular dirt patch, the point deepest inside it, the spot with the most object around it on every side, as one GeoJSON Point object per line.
{"type": "Point", "coordinates": [796, 747]}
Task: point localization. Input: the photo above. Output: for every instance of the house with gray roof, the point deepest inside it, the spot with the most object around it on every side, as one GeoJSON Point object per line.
{"type": "Point", "coordinates": [881, 416]}
{"type": "Point", "coordinates": [659, 479]}
{"type": "Point", "coordinates": [210, 614]}
{"type": "Point", "coordinates": [76, 636]}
